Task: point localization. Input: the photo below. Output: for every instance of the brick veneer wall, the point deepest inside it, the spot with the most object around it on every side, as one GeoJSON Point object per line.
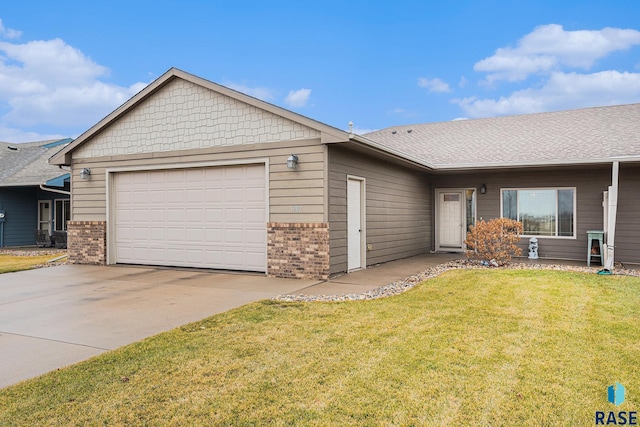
{"type": "Point", "coordinates": [298, 250]}
{"type": "Point", "coordinates": [87, 242]}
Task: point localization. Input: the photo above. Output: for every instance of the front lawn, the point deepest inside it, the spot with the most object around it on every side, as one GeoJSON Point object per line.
{"type": "Point", "coordinates": [471, 347]}
{"type": "Point", "coordinates": [10, 263]}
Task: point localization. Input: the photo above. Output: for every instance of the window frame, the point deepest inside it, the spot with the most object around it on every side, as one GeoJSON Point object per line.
{"type": "Point", "coordinates": [45, 221]}
{"type": "Point", "coordinates": [62, 212]}
{"type": "Point", "coordinates": [556, 189]}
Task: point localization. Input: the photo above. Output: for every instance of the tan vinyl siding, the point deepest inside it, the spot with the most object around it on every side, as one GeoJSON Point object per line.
{"type": "Point", "coordinates": [294, 195]}
{"type": "Point", "coordinates": [590, 183]}
{"type": "Point", "coordinates": [398, 208]}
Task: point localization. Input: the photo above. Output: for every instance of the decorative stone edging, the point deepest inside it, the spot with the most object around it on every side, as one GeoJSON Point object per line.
{"type": "Point", "coordinates": [407, 283]}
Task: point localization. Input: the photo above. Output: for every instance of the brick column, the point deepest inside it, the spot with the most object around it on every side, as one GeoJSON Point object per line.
{"type": "Point", "coordinates": [298, 250]}
{"type": "Point", "coordinates": [87, 242]}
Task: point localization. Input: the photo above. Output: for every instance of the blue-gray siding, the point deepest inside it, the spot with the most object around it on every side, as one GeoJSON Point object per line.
{"type": "Point", "coordinates": [21, 207]}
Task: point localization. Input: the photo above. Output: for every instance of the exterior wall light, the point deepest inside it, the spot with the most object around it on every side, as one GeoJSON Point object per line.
{"type": "Point", "coordinates": [85, 173]}
{"type": "Point", "coordinates": [292, 161]}
{"type": "Point", "coordinates": [483, 189]}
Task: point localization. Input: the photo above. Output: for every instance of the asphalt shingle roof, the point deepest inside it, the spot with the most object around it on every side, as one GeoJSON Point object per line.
{"type": "Point", "coordinates": [27, 163]}
{"type": "Point", "coordinates": [574, 136]}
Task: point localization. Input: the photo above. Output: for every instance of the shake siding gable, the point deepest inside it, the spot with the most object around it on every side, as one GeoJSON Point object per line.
{"type": "Point", "coordinates": [183, 116]}
{"type": "Point", "coordinates": [183, 123]}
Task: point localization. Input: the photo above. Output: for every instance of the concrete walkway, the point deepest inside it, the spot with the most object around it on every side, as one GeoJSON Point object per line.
{"type": "Point", "coordinates": [57, 316]}
{"type": "Point", "coordinates": [376, 276]}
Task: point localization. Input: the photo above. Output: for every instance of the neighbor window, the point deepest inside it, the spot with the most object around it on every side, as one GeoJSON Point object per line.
{"type": "Point", "coordinates": [549, 212]}
{"type": "Point", "coordinates": [62, 214]}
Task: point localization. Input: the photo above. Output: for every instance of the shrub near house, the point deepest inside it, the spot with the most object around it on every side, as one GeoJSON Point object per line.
{"type": "Point", "coordinates": [494, 240]}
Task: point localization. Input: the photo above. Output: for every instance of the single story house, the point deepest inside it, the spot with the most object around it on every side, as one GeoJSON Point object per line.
{"type": "Point", "coordinates": [34, 195]}
{"type": "Point", "coordinates": [191, 173]}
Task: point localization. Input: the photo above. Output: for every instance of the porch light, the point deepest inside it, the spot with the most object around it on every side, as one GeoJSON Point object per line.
{"type": "Point", "coordinates": [85, 173]}
{"type": "Point", "coordinates": [292, 161]}
{"type": "Point", "coordinates": [483, 189]}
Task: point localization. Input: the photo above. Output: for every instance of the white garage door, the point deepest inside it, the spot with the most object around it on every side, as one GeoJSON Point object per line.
{"type": "Point", "coordinates": [212, 217]}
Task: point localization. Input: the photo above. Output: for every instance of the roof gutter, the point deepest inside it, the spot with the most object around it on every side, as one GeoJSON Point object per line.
{"type": "Point", "coordinates": [480, 166]}
{"type": "Point", "coordinates": [51, 190]}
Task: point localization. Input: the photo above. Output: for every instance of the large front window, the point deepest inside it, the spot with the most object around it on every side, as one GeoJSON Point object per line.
{"type": "Point", "coordinates": [547, 212]}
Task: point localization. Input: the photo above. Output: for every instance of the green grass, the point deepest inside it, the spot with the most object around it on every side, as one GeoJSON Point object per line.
{"type": "Point", "coordinates": [12, 263]}
{"type": "Point", "coordinates": [490, 347]}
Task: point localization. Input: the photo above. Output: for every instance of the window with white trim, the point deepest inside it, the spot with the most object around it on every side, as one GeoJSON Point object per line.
{"type": "Point", "coordinates": [546, 212]}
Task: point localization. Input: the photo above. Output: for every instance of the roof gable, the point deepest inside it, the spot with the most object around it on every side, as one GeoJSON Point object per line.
{"type": "Point", "coordinates": [180, 111]}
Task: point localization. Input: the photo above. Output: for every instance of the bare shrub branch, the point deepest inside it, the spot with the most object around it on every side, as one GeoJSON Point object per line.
{"type": "Point", "coordinates": [494, 240]}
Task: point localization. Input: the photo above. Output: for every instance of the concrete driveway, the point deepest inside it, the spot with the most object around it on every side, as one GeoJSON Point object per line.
{"type": "Point", "coordinates": [58, 316]}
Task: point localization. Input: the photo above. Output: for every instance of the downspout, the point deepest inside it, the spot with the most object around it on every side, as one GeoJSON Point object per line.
{"type": "Point", "coordinates": [611, 226]}
{"type": "Point", "coordinates": [43, 188]}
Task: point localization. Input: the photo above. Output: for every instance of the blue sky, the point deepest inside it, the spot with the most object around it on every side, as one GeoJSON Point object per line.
{"type": "Point", "coordinates": [66, 64]}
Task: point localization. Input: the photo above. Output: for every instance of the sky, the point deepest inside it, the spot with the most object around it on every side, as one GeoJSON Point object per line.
{"type": "Point", "coordinates": [65, 65]}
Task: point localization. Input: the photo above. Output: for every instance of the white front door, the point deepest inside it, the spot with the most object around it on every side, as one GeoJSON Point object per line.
{"type": "Point", "coordinates": [450, 220]}
{"type": "Point", "coordinates": [354, 224]}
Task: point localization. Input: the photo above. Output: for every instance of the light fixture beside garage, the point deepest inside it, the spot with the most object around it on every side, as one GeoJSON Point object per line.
{"type": "Point", "coordinates": [85, 173]}
{"type": "Point", "coordinates": [483, 189]}
{"type": "Point", "coordinates": [292, 161]}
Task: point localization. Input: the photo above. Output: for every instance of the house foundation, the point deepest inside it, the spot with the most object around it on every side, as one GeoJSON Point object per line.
{"type": "Point", "coordinates": [87, 242]}
{"type": "Point", "coordinates": [298, 250]}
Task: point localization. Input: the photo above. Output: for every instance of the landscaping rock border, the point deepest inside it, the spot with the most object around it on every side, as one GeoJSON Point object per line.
{"type": "Point", "coordinates": [37, 252]}
{"type": "Point", "coordinates": [400, 286]}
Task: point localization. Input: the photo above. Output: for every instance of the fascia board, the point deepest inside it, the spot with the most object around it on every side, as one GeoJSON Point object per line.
{"type": "Point", "coordinates": [395, 153]}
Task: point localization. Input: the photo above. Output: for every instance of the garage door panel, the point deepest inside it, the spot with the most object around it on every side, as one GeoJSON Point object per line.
{"type": "Point", "coordinates": [174, 234]}
{"type": "Point", "coordinates": [175, 215]}
{"type": "Point", "coordinates": [175, 195]}
{"type": "Point", "coordinates": [255, 194]}
{"type": "Point", "coordinates": [193, 236]}
{"type": "Point", "coordinates": [194, 215]}
{"type": "Point", "coordinates": [213, 215]}
{"type": "Point", "coordinates": [257, 237]}
{"type": "Point", "coordinates": [254, 215]}
{"type": "Point", "coordinates": [203, 217]}
{"type": "Point", "coordinates": [234, 194]}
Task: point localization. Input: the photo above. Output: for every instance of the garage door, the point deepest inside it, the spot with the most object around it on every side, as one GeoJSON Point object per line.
{"type": "Point", "coordinates": [212, 217]}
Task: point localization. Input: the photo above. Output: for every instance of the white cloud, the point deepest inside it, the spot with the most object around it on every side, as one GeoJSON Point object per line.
{"type": "Point", "coordinates": [362, 131]}
{"type": "Point", "coordinates": [463, 82]}
{"type": "Point", "coordinates": [8, 134]}
{"type": "Point", "coordinates": [561, 91]}
{"type": "Point", "coordinates": [49, 82]}
{"type": "Point", "coordinates": [260, 92]}
{"type": "Point", "coordinates": [550, 47]}
{"type": "Point", "coordinates": [298, 98]}
{"type": "Point", "coordinates": [8, 33]}
{"type": "Point", "coordinates": [434, 85]}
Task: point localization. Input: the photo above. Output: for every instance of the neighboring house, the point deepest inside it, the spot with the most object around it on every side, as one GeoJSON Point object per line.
{"type": "Point", "coordinates": [34, 195]}
{"type": "Point", "coordinates": [191, 173]}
